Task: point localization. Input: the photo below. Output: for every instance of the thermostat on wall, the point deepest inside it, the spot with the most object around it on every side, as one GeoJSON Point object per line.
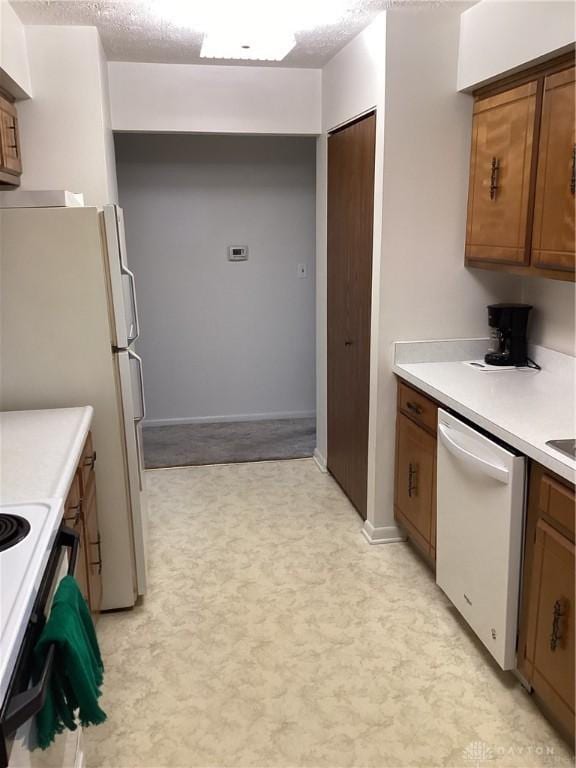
{"type": "Point", "coordinates": [237, 253]}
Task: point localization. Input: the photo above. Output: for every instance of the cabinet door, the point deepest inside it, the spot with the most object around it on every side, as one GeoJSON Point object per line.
{"type": "Point", "coordinates": [553, 243]}
{"type": "Point", "coordinates": [11, 161]}
{"type": "Point", "coordinates": [551, 624]}
{"type": "Point", "coordinates": [414, 482]}
{"type": "Point", "coordinates": [93, 549]}
{"type": "Point", "coordinates": [500, 170]}
{"type": "Point", "coordinates": [73, 518]}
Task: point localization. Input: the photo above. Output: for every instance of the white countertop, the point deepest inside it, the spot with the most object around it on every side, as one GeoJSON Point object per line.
{"type": "Point", "coordinates": [40, 451]}
{"type": "Point", "coordinates": [522, 408]}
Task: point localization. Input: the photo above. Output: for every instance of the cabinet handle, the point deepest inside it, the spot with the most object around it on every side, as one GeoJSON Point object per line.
{"type": "Point", "coordinates": [98, 562]}
{"type": "Point", "coordinates": [412, 475]}
{"type": "Point", "coordinates": [77, 510]}
{"type": "Point", "coordinates": [414, 407]}
{"type": "Point", "coordinates": [556, 635]}
{"type": "Point", "coordinates": [494, 177]}
{"type": "Point", "coordinates": [90, 461]}
{"type": "Point", "coordinates": [573, 175]}
{"type": "Point", "coordinates": [348, 343]}
{"type": "Point", "coordinates": [15, 145]}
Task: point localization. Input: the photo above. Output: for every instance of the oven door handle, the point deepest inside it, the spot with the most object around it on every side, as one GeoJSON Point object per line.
{"type": "Point", "coordinates": [25, 705]}
{"type": "Point", "coordinates": [28, 703]}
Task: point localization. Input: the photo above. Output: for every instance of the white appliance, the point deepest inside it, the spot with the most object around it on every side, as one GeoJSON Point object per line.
{"type": "Point", "coordinates": [480, 513]}
{"type": "Point", "coordinates": [33, 559]}
{"type": "Point", "coordinates": [39, 198]}
{"type": "Point", "coordinates": [68, 320]}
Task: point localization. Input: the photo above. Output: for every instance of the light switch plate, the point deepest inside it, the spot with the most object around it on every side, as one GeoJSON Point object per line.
{"type": "Point", "coordinates": [302, 270]}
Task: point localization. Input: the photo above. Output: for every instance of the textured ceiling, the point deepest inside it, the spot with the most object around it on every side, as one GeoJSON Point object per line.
{"type": "Point", "coordinates": [133, 30]}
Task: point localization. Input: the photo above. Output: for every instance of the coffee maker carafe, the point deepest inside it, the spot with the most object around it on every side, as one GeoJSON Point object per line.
{"type": "Point", "coordinates": [508, 323]}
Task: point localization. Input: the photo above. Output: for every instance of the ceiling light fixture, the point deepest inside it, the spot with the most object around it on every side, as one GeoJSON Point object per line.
{"type": "Point", "coordinates": [268, 46]}
{"type": "Point", "coordinates": [250, 29]}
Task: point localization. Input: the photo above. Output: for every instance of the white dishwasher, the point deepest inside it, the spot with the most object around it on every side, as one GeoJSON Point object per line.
{"type": "Point", "coordinates": [480, 495]}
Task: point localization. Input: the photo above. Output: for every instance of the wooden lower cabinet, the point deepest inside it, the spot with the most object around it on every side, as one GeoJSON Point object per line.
{"type": "Point", "coordinates": [415, 469]}
{"type": "Point", "coordinates": [547, 626]}
{"type": "Point", "coordinates": [81, 514]}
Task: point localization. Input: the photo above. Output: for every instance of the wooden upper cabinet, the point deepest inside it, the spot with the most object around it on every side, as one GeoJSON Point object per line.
{"type": "Point", "coordinates": [553, 243]}
{"type": "Point", "coordinates": [500, 170]}
{"type": "Point", "coordinates": [521, 192]}
{"type": "Point", "coordinates": [10, 158]}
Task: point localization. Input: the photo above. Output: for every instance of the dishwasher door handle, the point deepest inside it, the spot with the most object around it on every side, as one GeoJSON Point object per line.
{"type": "Point", "coordinates": [496, 471]}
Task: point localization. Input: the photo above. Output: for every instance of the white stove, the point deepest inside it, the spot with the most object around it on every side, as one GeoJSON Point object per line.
{"type": "Point", "coordinates": [27, 536]}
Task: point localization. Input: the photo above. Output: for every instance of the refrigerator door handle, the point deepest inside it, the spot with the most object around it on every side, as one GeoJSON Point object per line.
{"type": "Point", "coordinates": [142, 415]}
{"type": "Point", "coordinates": [134, 332]}
{"type": "Point", "coordinates": [481, 465]}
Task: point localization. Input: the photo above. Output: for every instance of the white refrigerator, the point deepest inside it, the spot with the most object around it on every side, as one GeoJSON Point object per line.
{"type": "Point", "coordinates": [68, 323]}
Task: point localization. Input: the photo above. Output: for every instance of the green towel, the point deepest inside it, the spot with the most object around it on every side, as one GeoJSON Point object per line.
{"type": "Point", "coordinates": [77, 671]}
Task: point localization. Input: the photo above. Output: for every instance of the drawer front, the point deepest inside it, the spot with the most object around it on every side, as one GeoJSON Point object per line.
{"type": "Point", "coordinates": [418, 407]}
{"type": "Point", "coordinates": [557, 501]}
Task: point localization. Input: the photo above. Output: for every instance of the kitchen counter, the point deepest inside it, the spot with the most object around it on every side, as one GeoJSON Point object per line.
{"type": "Point", "coordinates": [40, 452]}
{"type": "Point", "coordinates": [524, 408]}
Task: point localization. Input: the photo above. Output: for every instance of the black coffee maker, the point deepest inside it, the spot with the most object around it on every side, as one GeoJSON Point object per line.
{"type": "Point", "coordinates": [508, 323]}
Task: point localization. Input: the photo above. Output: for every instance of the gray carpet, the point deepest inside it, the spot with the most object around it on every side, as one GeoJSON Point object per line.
{"type": "Point", "coordinates": [186, 445]}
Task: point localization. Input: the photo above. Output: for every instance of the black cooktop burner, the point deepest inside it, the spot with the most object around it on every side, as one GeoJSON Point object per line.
{"type": "Point", "coordinates": [13, 529]}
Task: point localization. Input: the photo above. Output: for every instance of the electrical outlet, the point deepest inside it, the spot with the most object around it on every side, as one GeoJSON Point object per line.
{"type": "Point", "coordinates": [302, 270]}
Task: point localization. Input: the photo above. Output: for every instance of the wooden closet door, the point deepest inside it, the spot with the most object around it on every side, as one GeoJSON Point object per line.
{"type": "Point", "coordinates": [500, 171]}
{"type": "Point", "coordinates": [350, 234]}
{"type": "Point", "coordinates": [553, 245]}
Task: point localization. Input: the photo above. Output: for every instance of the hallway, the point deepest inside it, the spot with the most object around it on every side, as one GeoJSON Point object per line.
{"type": "Point", "coordinates": [273, 635]}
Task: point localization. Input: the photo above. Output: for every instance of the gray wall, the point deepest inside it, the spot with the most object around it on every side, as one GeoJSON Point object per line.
{"type": "Point", "coordinates": [222, 339]}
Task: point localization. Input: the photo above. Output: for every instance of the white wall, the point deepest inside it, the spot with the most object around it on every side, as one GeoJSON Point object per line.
{"type": "Point", "coordinates": [553, 319]}
{"type": "Point", "coordinates": [222, 339]}
{"type": "Point", "coordinates": [425, 291]}
{"type": "Point", "coordinates": [528, 31]}
{"type": "Point", "coordinates": [14, 71]}
{"type": "Point", "coordinates": [352, 83]}
{"type": "Point", "coordinates": [214, 99]}
{"type": "Point", "coordinates": [501, 36]}
{"type": "Point", "coordinates": [65, 128]}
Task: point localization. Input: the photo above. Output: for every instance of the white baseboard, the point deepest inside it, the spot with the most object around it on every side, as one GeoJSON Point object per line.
{"type": "Point", "coordinates": [222, 419]}
{"type": "Point", "coordinates": [387, 534]}
{"type": "Point", "coordinates": [320, 461]}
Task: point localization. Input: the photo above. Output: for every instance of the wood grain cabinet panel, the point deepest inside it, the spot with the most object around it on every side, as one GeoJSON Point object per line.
{"type": "Point", "coordinates": [415, 469]}
{"type": "Point", "coordinates": [502, 134]}
{"type": "Point", "coordinates": [547, 623]}
{"type": "Point", "coordinates": [80, 514]}
{"type": "Point", "coordinates": [416, 451]}
{"type": "Point", "coordinates": [551, 632]}
{"type": "Point", "coordinates": [10, 157]}
{"type": "Point", "coordinates": [521, 195]}
{"type": "Point", "coordinates": [93, 546]}
{"type": "Point", "coordinates": [553, 244]}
